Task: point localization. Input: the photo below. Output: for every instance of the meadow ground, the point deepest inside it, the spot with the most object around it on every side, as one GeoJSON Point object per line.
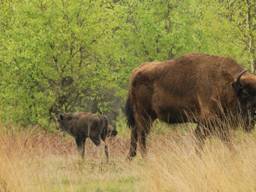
{"type": "Point", "coordinates": [36, 161]}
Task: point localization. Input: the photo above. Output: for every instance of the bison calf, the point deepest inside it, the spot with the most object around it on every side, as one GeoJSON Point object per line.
{"type": "Point", "coordinates": [82, 125]}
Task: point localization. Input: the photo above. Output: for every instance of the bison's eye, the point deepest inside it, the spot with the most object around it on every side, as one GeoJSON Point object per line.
{"type": "Point", "coordinates": [245, 93]}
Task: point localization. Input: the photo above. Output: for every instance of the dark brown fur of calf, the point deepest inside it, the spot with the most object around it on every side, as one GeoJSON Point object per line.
{"type": "Point", "coordinates": [83, 125]}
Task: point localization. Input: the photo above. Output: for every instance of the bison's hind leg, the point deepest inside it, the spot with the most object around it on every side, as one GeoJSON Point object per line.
{"type": "Point", "coordinates": [142, 141]}
{"type": "Point", "coordinates": [133, 144]}
{"type": "Point", "coordinates": [139, 133]}
{"type": "Point", "coordinates": [143, 125]}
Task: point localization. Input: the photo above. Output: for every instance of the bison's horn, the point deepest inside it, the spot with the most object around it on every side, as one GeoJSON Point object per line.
{"type": "Point", "coordinates": [240, 75]}
{"type": "Point", "coordinates": [236, 84]}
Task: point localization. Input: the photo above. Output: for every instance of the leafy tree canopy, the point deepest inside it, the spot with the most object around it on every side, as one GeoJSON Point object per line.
{"type": "Point", "coordinates": [77, 55]}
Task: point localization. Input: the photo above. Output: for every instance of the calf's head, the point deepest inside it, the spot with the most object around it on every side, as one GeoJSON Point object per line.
{"type": "Point", "coordinates": [112, 132]}
{"type": "Point", "coordinates": [109, 130]}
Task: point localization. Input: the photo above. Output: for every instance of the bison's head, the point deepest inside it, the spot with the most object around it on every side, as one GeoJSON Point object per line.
{"type": "Point", "coordinates": [245, 88]}
{"type": "Point", "coordinates": [64, 121]}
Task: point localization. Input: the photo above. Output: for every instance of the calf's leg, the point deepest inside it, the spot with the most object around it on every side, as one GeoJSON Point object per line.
{"type": "Point", "coordinates": [106, 150]}
{"type": "Point", "coordinates": [96, 141]}
{"type": "Point", "coordinates": [80, 143]}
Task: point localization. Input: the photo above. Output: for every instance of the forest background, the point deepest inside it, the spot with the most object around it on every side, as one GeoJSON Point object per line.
{"type": "Point", "coordinates": [65, 56]}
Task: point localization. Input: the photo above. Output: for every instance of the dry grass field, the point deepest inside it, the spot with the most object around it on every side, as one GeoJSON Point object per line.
{"type": "Point", "coordinates": [43, 162]}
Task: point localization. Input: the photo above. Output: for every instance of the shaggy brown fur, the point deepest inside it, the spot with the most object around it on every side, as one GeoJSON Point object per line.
{"type": "Point", "coordinates": [194, 88]}
{"type": "Point", "coordinates": [82, 125]}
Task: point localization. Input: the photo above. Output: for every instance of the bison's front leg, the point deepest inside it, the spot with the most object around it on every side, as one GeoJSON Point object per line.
{"type": "Point", "coordinates": [80, 143]}
{"type": "Point", "coordinates": [210, 128]}
{"type": "Point", "coordinates": [201, 133]}
{"type": "Point", "coordinates": [225, 136]}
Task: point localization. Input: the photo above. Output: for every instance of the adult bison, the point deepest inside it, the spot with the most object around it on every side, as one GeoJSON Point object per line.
{"type": "Point", "coordinates": [197, 88]}
{"type": "Point", "coordinates": [82, 125]}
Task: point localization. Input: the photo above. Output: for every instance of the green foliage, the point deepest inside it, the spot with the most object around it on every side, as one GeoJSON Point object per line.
{"type": "Point", "coordinates": [77, 55]}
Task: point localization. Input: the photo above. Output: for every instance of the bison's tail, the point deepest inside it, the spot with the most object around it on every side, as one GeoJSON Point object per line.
{"type": "Point", "coordinates": [129, 113]}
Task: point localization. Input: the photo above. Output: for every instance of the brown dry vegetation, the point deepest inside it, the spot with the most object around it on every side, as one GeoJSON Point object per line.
{"type": "Point", "coordinates": [38, 161]}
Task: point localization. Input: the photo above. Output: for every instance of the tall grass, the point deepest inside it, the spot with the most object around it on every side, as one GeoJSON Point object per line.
{"type": "Point", "coordinates": [37, 161]}
{"type": "Point", "coordinates": [176, 167]}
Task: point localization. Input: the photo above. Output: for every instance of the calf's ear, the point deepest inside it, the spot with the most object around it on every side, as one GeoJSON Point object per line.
{"type": "Point", "coordinates": [61, 117]}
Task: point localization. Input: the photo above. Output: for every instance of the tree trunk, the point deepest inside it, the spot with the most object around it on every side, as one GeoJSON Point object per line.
{"type": "Point", "coordinates": [250, 45]}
